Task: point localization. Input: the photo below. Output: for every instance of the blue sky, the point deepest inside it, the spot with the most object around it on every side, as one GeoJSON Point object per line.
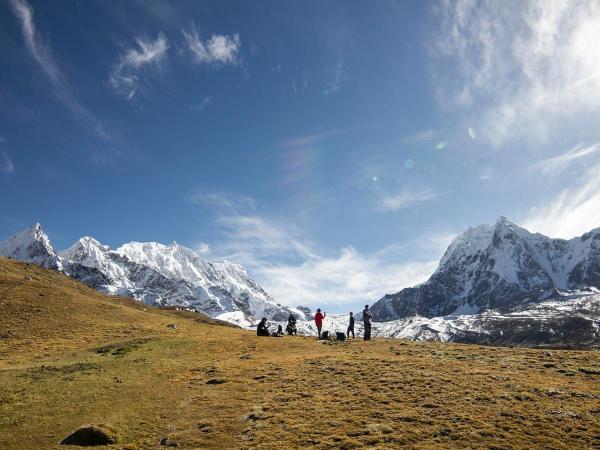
{"type": "Point", "coordinates": [333, 148]}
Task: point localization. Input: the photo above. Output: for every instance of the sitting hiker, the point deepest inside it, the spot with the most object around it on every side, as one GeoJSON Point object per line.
{"type": "Point", "coordinates": [261, 329]}
{"type": "Point", "coordinates": [291, 325]}
{"type": "Point", "coordinates": [279, 331]}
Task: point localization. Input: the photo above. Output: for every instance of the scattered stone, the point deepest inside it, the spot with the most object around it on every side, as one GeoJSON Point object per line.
{"type": "Point", "coordinates": [379, 428]}
{"type": "Point", "coordinates": [259, 413]}
{"type": "Point", "coordinates": [563, 413]}
{"type": "Point", "coordinates": [548, 354]}
{"type": "Point", "coordinates": [166, 442]}
{"type": "Point", "coordinates": [216, 381]}
{"type": "Point", "coordinates": [88, 436]}
{"type": "Point", "coordinates": [205, 427]}
{"type": "Point", "coordinates": [589, 371]}
{"type": "Point", "coordinates": [172, 325]}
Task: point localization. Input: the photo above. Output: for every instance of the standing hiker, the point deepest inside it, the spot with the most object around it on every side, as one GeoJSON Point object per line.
{"type": "Point", "coordinates": [319, 321]}
{"type": "Point", "coordinates": [367, 316]}
{"type": "Point", "coordinates": [350, 326]}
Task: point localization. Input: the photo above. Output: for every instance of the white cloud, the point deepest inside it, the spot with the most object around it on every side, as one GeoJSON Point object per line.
{"type": "Point", "coordinates": [42, 54]}
{"type": "Point", "coordinates": [7, 166]}
{"type": "Point", "coordinates": [560, 162]}
{"type": "Point", "coordinates": [203, 104]}
{"type": "Point", "coordinates": [125, 76]}
{"type": "Point", "coordinates": [336, 83]}
{"type": "Point", "coordinates": [347, 279]}
{"type": "Point", "coordinates": [201, 248]}
{"type": "Point", "coordinates": [574, 211]}
{"type": "Point", "coordinates": [519, 70]}
{"type": "Point", "coordinates": [294, 272]}
{"type": "Point", "coordinates": [405, 199]}
{"type": "Point", "coordinates": [219, 49]}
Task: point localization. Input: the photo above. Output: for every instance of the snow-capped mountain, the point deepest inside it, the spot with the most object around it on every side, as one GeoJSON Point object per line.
{"type": "Point", "coordinates": [155, 274]}
{"type": "Point", "coordinates": [498, 267]}
{"type": "Point", "coordinates": [31, 245]}
{"type": "Point", "coordinates": [563, 319]}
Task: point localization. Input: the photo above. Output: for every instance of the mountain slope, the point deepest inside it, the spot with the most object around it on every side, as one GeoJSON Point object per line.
{"type": "Point", "coordinates": [73, 356]}
{"type": "Point", "coordinates": [498, 268]}
{"type": "Point", "coordinates": [153, 273]}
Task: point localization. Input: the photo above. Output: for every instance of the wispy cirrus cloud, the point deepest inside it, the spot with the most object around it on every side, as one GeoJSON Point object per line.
{"type": "Point", "coordinates": [405, 199]}
{"type": "Point", "coordinates": [338, 78]}
{"type": "Point", "coordinates": [42, 55]}
{"type": "Point", "coordinates": [126, 73]}
{"type": "Point", "coordinates": [7, 165]}
{"type": "Point", "coordinates": [295, 272]}
{"type": "Point", "coordinates": [202, 105]}
{"type": "Point", "coordinates": [560, 162]}
{"type": "Point", "coordinates": [518, 70]}
{"type": "Point", "coordinates": [572, 212]}
{"type": "Point", "coordinates": [309, 139]}
{"type": "Point", "coordinates": [224, 203]}
{"type": "Point", "coordinates": [219, 49]}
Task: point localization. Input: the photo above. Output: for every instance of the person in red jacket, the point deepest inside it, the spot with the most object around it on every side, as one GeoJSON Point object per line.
{"type": "Point", "coordinates": [319, 321]}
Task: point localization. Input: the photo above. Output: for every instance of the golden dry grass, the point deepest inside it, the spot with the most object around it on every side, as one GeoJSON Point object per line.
{"type": "Point", "coordinates": [73, 357]}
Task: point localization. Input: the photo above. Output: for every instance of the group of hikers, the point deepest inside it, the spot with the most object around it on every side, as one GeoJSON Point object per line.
{"type": "Point", "coordinates": [263, 330]}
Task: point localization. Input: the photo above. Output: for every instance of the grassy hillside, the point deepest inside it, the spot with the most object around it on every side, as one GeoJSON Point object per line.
{"type": "Point", "coordinates": [70, 356]}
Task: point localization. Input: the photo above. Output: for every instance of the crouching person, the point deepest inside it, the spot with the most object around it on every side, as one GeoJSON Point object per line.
{"type": "Point", "coordinates": [261, 329]}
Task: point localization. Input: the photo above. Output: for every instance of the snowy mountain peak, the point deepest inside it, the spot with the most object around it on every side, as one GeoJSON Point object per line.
{"type": "Point", "coordinates": [87, 251]}
{"type": "Point", "coordinates": [494, 267]}
{"type": "Point", "coordinates": [31, 245]}
{"type": "Point", "coordinates": [154, 273]}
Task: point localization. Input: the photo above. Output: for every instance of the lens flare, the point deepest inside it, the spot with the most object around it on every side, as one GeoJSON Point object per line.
{"type": "Point", "coordinates": [375, 178]}
{"type": "Point", "coordinates": [440, 145]}
{"type": "Point", "coordinates": [472, 133]}
{"type": "Point", "coordinates": [409, 163]}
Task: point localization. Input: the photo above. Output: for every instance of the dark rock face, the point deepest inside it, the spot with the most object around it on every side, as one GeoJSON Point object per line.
{"type": "Point", "coordinates": [88, 436]}
{"type": "Point", "coordinates": [495, 268]}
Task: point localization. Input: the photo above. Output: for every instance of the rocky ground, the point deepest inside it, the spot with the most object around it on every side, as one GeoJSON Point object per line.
{"type": "Point", "coordinates": [71, 357]}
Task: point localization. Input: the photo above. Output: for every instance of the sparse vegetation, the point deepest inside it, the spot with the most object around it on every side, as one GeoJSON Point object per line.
{"type": "Point", "coordinates": [74, 358]}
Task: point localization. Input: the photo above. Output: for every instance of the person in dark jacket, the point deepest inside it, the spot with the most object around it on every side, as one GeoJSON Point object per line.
{"type": "Point", "coordinates": [350, 326]}
{"type": "Point", "coordinates": [319, 316]}
{"type": "Point", "coordinates": [261, 329]}
{"type": "Point", "coordinates": [291, 325]}
{"type": "Point", "coordinates": [367, 316]}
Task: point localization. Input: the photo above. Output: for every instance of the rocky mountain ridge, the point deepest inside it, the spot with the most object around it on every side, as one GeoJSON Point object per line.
{"type": "Point", "coordinates": [498, 267]}
{"type": "Point", "coordinates": [154, 273]}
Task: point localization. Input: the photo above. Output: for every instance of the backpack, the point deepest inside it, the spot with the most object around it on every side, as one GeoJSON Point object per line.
{"type": "Point", "coordinates": [340, 336]}
{"type": "Point", "coordinates": [325, 335]}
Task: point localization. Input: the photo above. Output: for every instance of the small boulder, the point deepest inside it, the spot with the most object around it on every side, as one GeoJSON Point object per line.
{"type": "Point", "coordinates": [172, 325]}
{"type": "Point", "coordinates": [166, 442]}
{"type": "Point", "coordinates": [88, 436]}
